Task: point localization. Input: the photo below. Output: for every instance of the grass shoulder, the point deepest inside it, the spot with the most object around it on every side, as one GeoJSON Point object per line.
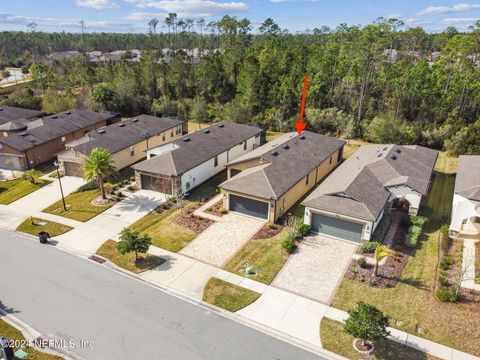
{"type": "Point", "coordinates": [33, 226]}
{"type": "Point", "coordinates": [14, 190]}
{"type": "Point", "coordinates": [228, 296]}
{"type": "Point", "coordinates": [334, 339]}
{"type": "Point", "coordinates": [127, 261]}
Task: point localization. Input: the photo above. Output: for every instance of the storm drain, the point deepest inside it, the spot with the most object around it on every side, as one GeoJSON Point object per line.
{"type": "Point", "coordinates": [97, 259]}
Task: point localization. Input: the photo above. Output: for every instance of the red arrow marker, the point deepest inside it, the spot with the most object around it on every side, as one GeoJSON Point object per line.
{"type": "Point", "coordinates": [300, 125]}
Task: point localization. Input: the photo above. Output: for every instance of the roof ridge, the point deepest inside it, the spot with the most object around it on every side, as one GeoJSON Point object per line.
{"type": "Point", "coordinates": [268, 181]}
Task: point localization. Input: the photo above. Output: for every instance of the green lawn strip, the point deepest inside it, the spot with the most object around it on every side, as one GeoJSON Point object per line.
{"type": "Point", "coordinates": [79, 206]}
{"type": "Point", "coordinates": [109, 250]}
{"type": "Point", "coordinates": [411, 304]}
{"type": "Point", "coordinates": [477, 262]}
{"type": "Point", "coordinates": [13, 190]}
{"type": "Point", "coordinates": [13, 334]}
{"type": "Point", "coordinates": [334, 339]}
{"type": "Point", "coordinates": [228, 296]}
{"type": "Point", "coordinates": [53, 228]}
{"type": "Point", "coordinates": [164, 233]}
{"type": "Point", "coordinates": [266, 254]}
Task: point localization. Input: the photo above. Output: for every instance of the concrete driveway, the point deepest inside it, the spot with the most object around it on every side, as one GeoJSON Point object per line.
{"type": "Point", "coordinates": [221, 240]}
{"type": "Point", "coordinates": [316, 268]}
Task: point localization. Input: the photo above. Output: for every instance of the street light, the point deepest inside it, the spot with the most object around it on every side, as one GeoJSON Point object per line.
{"type": "Point", "coordinates": [57, 166]}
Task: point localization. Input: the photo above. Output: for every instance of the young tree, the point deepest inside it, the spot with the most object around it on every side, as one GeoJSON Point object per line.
{"type": "Point", "coordinates": [97, 166]}
{"type": "Point", "coordinates": [132, 241]}
{"type": "Point", "coordinates": [381, 252]}
{"type": "Point", "coordinates": [366, 323]}
{"type": "Point", "coordinates": [104, 94]}
{"type": "Point", "coordinates": [31, 176]}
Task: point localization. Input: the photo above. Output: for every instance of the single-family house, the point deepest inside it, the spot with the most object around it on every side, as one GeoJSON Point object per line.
{"type": "Point", "coordinates": [269, 180]}
{"type": "Point", "coordinates": [128, 141]}
{"type": "Point", "coordinates": [180, 166]}
{"type": "Point", "coordinates": [466, 199]}
{"type": "Point", "coordinates": [45, 137]}
{"type": "Point", "coordinates": [14, 119]}
{"type": "Point", "coordinates": [350, 203]}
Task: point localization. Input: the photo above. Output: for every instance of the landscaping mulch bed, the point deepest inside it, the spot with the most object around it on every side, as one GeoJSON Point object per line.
{"type": "Point", "coordinates": [192, 222]}
{"type": "Point", "coordinates": [215, 209]}
{"type": "Point", "coordinates": [268, 231]}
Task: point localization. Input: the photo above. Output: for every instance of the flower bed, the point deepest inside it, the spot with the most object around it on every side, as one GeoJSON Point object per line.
{"type": "Point", "coordinates": [268, 231]}
{"type": "Point", "coordinates": [192, 222]}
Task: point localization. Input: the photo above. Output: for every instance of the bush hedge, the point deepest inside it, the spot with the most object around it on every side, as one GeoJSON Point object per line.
{"type": "Point", "coordinates": [369, 247]}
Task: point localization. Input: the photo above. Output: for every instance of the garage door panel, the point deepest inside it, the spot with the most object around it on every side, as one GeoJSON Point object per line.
{"type": "Point", "coordinates": [249, 206]}
{"type": "Point", "coordinates": [335, 227]}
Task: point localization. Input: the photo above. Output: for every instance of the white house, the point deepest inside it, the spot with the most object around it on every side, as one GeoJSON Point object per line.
{"type": "Point", "coordinates": [466, 199]}
{"type": "Point", "coordinates": [351, 202]}
{"type": "Point", "coordinates": [182, 165]}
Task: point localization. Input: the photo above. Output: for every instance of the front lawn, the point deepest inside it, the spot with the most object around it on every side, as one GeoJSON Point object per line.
{"type": "Point", "coordinates": [164, 233]}
{"type": "Point", "coordinates": [412, 305]}
{"type": "Point", "coordinates": [79, 206]}
{"type": "Point", "coordinates": [334, 339]}
{"type": "Point", "coordinates": [266, 255]}
{"type": "Point", "coordinates": [13, 190]}
{"type": "Point", "coordinates": [127, 261]}
{"type": "Point", "coordinates": [51, 227]}
{"type": "Point", "coordinates": [13, 334]}
{"type": "Point", "coordinates": [228, 296]}
{"type": "Point", "coordinates": [477, 262]}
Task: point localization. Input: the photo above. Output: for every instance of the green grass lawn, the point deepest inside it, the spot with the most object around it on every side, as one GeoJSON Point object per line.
{"type": "Point", "coordinates": [164, 233]}
{"type": "Point", "coordinates": [334, 339]}
{"type": "Point", "coordinates": [228, 296]}
{"type": "Point", "coordinates": [79, 206]}
{"type": "Point", "coordinates": [12, 333]}
{"type": "Point", "coordinates": [13, 190]}
{"type": "Point", "coordinates": [109, 250]}
{"type": "Point", "coordinates": [411, 304]}
{"type": "Point", "coordinates": [266, 254]}
{"type": "Point", "coordinates": [53, 228]}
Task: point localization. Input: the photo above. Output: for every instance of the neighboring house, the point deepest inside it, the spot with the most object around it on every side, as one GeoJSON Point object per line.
{"type": "Point", "coordinates": [45, 137]}
{"type": "Point", "coordinates": [466, 199]}
{"type": "Point", "coordinates": [128, 141]}
{"type": "Point", "coordinates": [63, 55]}
{"type": "Point", "coordinates": [269, 180]}
{"type": "Point", "coordinates": [178, 167]}
{"type": "Point", "coordinates": [350, 203]}
{"type": "Point", "coordinates": [14, 119]}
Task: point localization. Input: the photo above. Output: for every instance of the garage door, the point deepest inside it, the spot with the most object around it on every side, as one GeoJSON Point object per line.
{"type": "Point", "coordinates": [336, 227]}
{"type": "Point", "coordinates": [249, 207]}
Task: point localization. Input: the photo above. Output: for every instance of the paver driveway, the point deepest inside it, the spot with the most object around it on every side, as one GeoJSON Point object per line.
{"type": "Point", "coordinates": [222, 239]}
{"type": "Point", "coordinates": [316, 267]}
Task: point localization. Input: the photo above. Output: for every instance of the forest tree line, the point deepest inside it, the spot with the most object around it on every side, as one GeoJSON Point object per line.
{"type": "Point", "coordinates": [380, 82]}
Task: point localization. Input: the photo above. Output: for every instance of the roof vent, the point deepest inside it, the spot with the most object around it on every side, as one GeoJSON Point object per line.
{"type": "Point", "coordinates": [393, 157]}
{"type": "Point", "coordinates": [101, 131]}
{"type": "Point", "coordinates": [385, 148]}
{"type": "Point", "coordinates": [302, 137]}
{"type": "Point", "coordinates": [206, 131]}
{"type": "Point", "coordinates": [274, 153]}
{"type": "Point", "coordinates": [221, 125]}
{"type": "Point", "coordinates": [187, 139]}
{"type": "Point", "coordinates": [121, 124]}
{"type": "Point", "coordinates": [33, 141]}
{"type": "Point", "coordinates": [380, 155]}
{"type": "Point", "coordinates": [54, 117]}
{"type": "Point", "coordinates": [134, 120]}
{"type": "Point", "coordinates": [68, 113]}
{"type": "Point", "coordinates": [286, 147]}
{"type": "Point", "coordinates": [23, 134]}
{"type": "Point", "coordinates": [1, 109]}
{"type": "Point", "coordinates": [398, 151]}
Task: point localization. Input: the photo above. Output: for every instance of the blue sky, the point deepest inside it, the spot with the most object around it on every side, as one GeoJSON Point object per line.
{"type": "Point", "coordinates": [294, 15]}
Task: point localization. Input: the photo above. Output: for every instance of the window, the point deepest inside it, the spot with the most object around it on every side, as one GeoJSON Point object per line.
{"type": "Point", "coordinates": [330, 161]}
{"type": "Point", "coordinates": [306, 179]}
{"type": "Point", "coordinates": [63, 139]}
{"type": "Point", "coordinates": [132, 151]}
{"type": "Point", "coordinates": [245, 145]}
{"type": "Point", "coordinates": [215, 161]}
{"type": "Point", "coordinates": [171, 134]}
{"type": "Point", "coordinates": [163, 136]}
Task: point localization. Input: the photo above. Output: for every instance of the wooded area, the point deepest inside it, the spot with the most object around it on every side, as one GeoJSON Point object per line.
{"type": "Point", "coordinates": [380, 82]}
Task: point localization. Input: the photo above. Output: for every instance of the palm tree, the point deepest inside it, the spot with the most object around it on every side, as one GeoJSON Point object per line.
{"type": "Point", "coordinates": [31, 176]}
{"type": "Point", "coordinates": [97, 166]}
{"type": "Point", "coordinates": [381, 252]}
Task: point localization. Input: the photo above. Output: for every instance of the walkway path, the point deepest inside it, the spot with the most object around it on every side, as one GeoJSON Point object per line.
{"type": "Point", "coordinates": [468, 265]}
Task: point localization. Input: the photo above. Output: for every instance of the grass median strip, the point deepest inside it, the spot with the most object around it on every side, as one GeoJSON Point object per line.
{"type": "Point", "coordinates": [79, 206]}
{"type": "Point", "coordinates": [265, 255]}
{"type": "Point", "coordinates": [34, 225]}
{"type": "Point", "coordinates": [334, 339]}
{"type": "Point", "coordinates": [127, 261]}
{"type": "Point", "coordinates": [13, 334]}
{"type": "Point", "coordinates": [228, 296]}
{"type": "Point", "coordinates": [14, 190]}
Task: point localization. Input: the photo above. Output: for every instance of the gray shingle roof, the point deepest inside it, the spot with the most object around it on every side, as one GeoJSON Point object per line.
{"type": "Point", "coordinates": [290, 160]}
{"type": "Point", "coordinates": [10, 113]}
{"type": "Point", "coordinates": [364, 177]}
{"type": "Point", "coordinates": [201, 148]}
{"type": "Point", "coordinates": [122, 135]}
{"type": "Point", "coordinates": [53, 127]}
{"type": "Point", "coordinates": [467, 183]}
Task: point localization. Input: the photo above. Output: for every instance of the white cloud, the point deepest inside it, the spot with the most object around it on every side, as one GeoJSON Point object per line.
{"type": "Point", "coordinates": [448, 9]}
{"type": "Point", "coordinates": [190, 8]}
{"type": "Point", "coordinates": [96, 4]}
{"type": "Point", "coordinates": [459, 21]}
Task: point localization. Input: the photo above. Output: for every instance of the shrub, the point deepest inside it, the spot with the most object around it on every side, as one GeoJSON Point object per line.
{"type": "Point", "coordinates": [270, 225]}
{"type": "Point", "coordinates": [91, 185]}
{"type": "Point", "coordinates": [131, 188]}
{"type": "Point", "coordinates": [172, 199]}
{"type": "Point", "coordinates": [381, 229]}
{"type": "Point", "coordinates": [354, 269]}
{"type": "Point", "coordinates": [288, 244]}
{"type": "Point", "coordinates": [209, 209]}
{"type": "Point", "coordinates": [362, 262]}
{"type": "Point", "coordinates": [419, 220]}
{"type": "Point", "coordinates": [304, 230]}
{"type": "Point", "coordinates": [446, 262]}
{"type": "Point", "coordinates": [443, 281]}
{"type": "Point", "coordinates": [411, 240]}
{"type": "Point", "coordinates": [444, 229]}
{"type": "Point", "coordinates": [369, 247]}
{"type": "Point", "coordinates": [415, 230]}
{"type": "Point", "coordinates": [366, 323]}
{"type": "Point", "coordinates": [222, 210]}
{"type": "Point", "coordinates": [446, 295]}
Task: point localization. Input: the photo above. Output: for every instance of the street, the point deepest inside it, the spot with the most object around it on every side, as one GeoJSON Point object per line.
{"type": "Point", "coordinates": [66, 297]}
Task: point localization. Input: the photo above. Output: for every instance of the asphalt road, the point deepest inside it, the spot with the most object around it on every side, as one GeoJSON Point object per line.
{"type": "Point", "coordinates": [66, 297]}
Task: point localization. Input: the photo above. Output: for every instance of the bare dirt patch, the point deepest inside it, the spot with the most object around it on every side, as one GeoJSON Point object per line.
{"type": "Point", "coordinates": [192, 222]}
